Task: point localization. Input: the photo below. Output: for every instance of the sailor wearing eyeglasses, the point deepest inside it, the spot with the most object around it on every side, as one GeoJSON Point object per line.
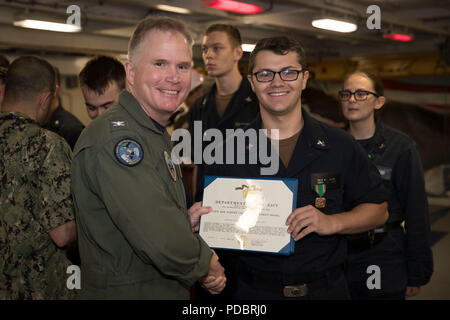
{"type": "Point", "coordinates": [339, 191]}
{"type": "Point", "coordinates": [403, 258]}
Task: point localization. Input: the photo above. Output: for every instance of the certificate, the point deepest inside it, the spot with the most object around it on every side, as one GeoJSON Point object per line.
{"type": "Point", "coordinates": [249, 214]}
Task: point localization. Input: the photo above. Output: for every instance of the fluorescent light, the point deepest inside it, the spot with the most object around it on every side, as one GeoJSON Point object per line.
{"type": "Point", "coordinates": [233, 6]}
{"type": "Point", "coordinates": [334, 25]}
{"type": "Point", "coordinates": [247, 47]}
{"type": "Point", "coordinates": [47, 25]}
{"type": "Point", "coordinates": [164, 7]}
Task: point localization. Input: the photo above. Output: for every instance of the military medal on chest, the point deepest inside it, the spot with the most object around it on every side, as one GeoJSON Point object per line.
{"type": "Point", "coordinates": [320, 201]}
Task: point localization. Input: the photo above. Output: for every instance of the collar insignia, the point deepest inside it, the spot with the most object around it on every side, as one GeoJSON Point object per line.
{"type": "Point", "coordinates": [118, 123]}
{"type": "Point", "coordinates": [320, 143]}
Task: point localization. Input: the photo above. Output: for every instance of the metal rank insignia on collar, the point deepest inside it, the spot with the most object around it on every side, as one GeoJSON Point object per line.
{"type": "Point", "coordinates": [320, 201]}
{"type": "Point", "coordinates": [170, 166]}
{"type": "Point", "coordinates": [129, 152]}
{"type": "Point", "coordinates": [118, 123]}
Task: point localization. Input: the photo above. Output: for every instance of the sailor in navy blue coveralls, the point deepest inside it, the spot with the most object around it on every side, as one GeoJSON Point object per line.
{"type": "Point", "coordinates": [323, 155]}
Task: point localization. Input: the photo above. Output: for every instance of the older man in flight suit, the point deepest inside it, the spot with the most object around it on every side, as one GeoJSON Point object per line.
{"type": "Point", "coordinates": [135, 238]}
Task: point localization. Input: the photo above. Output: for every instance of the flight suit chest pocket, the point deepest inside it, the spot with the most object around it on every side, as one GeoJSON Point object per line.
{"type": "Point", "coordinates": [325, 192]}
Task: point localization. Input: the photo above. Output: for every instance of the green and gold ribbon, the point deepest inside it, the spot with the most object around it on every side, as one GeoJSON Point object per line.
{"type": "Point", "coordinates": [320, 189]}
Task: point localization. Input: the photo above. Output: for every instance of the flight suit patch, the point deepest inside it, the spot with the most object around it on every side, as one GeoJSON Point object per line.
{"type": "Point", "coordinates": [170, 166]}
{"type": "Point", "coordinates": [129, 152]}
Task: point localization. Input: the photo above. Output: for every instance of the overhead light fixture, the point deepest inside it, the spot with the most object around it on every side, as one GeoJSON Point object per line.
{"type": "Point", "coordinates": [234, 6]}
{"type": "Point", "coordinates": [332, 24]}
{"type": "Point", "coordinates": [44, 22]}
{"type": "Point", "coordinates": [403, 37]}
{"type": "Point", "coordinates": [47, 25]}
{"type": "Point", "coordinates": [247, 47]}
{"type": "Point", "coordinates": [173, 9]}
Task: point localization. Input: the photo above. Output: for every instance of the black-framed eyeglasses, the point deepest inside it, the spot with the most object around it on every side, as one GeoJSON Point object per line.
{"type": "Point", "coordinates": [360, 95]}
{"type": "Point", "coordinates": [285, 75]}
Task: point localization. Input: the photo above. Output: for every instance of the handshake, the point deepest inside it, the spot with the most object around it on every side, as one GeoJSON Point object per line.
{"type": "Point", "coordinates": [215, 280]}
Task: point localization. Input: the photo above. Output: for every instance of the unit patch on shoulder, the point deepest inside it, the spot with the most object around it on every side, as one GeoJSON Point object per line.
{"type": "Point", "coordinates": [129, 152]}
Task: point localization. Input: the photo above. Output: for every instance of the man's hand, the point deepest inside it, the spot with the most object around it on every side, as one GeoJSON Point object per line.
{"type": "Point", "coordinates": [215, 280]}
{"type": "Point", "coordinates": [302, 221]}
{"type": "Point", "coordinates": [64, 234]}
{"type": "Point", "coordinates": [195, 212]}
{"type": "Point", "coordinates": [365, 216]}
{"type": "Point", "coordinates": [412, 291]}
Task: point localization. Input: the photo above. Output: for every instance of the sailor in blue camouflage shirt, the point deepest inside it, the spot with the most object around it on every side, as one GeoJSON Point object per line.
{"type": "Point", "coordinates": [36, 208]}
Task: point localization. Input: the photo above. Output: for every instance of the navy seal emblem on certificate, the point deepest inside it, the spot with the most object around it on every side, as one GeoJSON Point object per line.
{"type": "Point", "coordinates": [129, 152]}
{"type": "Point", "coordinates": [170, 166]}
{"type": "Point", "coordinates": [249, 214]}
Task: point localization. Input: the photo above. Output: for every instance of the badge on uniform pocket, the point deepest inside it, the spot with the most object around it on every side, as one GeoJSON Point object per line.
{"type": "Point", "coordinates": [320, 183]}
{"type": "Point", "coordinates": [331, 179]}
{"type": "Point", "coordinates": [320, 201]}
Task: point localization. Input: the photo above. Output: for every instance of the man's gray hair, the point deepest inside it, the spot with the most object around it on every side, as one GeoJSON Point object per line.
{"type": "Point", "coordinates": [157, 23]}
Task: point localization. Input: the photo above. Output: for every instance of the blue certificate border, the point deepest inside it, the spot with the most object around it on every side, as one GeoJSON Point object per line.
{"type": "Point", "coordinates": [291, 183]}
